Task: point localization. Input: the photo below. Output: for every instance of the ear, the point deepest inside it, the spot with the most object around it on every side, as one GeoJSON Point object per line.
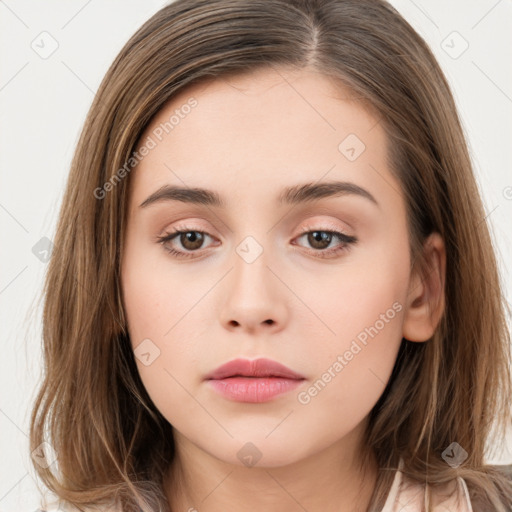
{"type": "Point", "coordinates": [425, 300]}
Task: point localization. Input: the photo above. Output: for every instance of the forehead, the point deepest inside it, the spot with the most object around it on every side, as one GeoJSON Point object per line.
{"type": "Point", "coordinates": [284, 94]}
{"type": "Point", "coordinates": [263, 131]}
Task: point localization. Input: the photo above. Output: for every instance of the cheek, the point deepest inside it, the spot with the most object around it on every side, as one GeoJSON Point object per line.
{"type": "Point", "coordinates": [157, 295]}
{"type": "Point", "coordinates": [363, 309]}
{"type": "Point", "coordinates": [162, 310]}
{"type": "Point", "coordinates": [349, 299]}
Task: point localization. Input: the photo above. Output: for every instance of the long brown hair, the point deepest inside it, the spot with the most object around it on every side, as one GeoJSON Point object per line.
{"type": "Point", "coordinates": [111, 441]}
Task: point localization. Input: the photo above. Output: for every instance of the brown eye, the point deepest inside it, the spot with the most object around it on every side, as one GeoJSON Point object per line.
{"type": "Point", "coordinates": [191, 240]}
{"type": "Point", "coordinates": [183, 243]}
{"type": "Point", "coordinates": [319, 239]}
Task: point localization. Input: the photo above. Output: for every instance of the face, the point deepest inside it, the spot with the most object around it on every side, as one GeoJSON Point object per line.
{"type": "Point", "coordinates": [303, 260]}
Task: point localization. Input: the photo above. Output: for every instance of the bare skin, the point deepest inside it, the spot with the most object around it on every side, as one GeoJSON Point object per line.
{"type": "Point", "coordinates": [248, 138]}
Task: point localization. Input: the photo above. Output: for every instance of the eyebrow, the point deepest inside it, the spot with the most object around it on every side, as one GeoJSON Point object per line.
{"type": "Point", "coordinates": [303, 193]}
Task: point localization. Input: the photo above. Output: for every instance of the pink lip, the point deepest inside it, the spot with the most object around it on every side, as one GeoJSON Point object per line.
{"type": "Point", "coordinates": [254, 381]}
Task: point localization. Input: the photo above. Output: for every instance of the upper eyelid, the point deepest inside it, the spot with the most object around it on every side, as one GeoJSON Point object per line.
{"type": "Point", "coordinates": [319, 225]}
{"type": "Point", "coordinates": [304, 230]}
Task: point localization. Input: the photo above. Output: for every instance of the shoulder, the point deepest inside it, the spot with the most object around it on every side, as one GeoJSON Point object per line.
{"type": "Point", "coordinates": [60, 506]}
{"type": "Point", "coordinates": [407, 495]}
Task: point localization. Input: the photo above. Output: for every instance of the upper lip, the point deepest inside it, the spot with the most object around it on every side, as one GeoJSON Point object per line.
{"type": "Point", "coordinates": [253, 368]}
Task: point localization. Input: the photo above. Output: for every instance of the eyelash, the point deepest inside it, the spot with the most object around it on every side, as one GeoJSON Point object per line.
{"type": "Point", "coordinates": [347, 241]}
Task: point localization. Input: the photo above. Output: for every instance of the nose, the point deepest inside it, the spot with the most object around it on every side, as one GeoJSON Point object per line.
{"type": "Point", "coordinates": [256, 299]}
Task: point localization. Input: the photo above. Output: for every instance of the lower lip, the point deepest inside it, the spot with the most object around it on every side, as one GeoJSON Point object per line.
{"type": "Point", "coordinates": [253, 389]}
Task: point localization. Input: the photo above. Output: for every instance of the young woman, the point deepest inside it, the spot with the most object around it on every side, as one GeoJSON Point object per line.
{"type": "Point", "coordinates": [273, 287]}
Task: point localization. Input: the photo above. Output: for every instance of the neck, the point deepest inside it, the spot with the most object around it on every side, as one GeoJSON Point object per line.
{"type": "Point", "coordinates": [327, 481]}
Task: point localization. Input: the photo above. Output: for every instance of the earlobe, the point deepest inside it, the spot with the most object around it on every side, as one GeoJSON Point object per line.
{"type": "Point", "coordinates": [425, 300]}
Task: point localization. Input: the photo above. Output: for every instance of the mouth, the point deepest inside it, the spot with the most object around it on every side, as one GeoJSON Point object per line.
{"type": "Point", "coordinates": [255, 368]}
{"type": "Point", "coordinates": [256, 381]}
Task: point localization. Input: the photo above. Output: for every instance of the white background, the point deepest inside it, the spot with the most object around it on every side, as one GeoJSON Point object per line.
{"type": "Point", "coordinates": [43, 103]}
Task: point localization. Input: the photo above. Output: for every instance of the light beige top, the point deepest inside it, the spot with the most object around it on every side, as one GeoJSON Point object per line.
{"type": "Point", "coordinates": [408, 495]}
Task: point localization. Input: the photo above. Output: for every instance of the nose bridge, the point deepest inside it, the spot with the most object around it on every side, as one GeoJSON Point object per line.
{"type": "Point", "coordinates": [254, 250]}
{"type": "Point", "coordinates": [251, 274]}
{"type": "Point", "coordinates": [253, 297]}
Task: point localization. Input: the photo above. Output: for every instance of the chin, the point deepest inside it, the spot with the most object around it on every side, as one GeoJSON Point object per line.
{"type": "Point", "coordinates": [258, 452]}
